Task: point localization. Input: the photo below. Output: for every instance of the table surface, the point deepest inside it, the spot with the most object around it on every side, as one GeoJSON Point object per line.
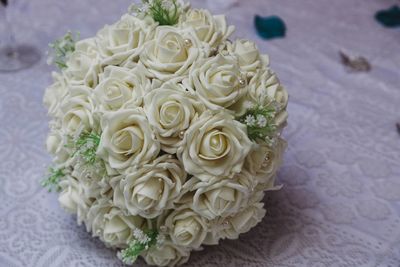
{"type": "Point", "coordinates": [340, 205]}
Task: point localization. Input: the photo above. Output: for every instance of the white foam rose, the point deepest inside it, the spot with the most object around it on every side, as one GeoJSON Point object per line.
{"type": "Point", "coordinates": [171, 110]}
{"type": "Point", "coordinates": [217, 81]}
{"type": "Point", "coordinates": [55, 94]}
{"type": "Point", "coordinates": [93, 181]}
{"type": "Point", "coordinates": [241, 222]}
{"type": "Point", "coordinates": [123, 41]}
{"type": "Point", "coordinates": [83, 65]}
{"type": "Point", "coordinates": [215, 145]}
{"type": "Point", "coordinates": [250, 59]}
{"type": "Point", "coordinates": [56, 145]}
{"type": "Point", "coordinates": [265, 86]}
{"type": "Point", "coordinates": [186, 228]}
{"type": "Point", "coordinates": [151, 189]}
{"type": "Point", "coordinates": [169, 254]}
{"type": "Point", "coordinates": [264, 161]}
{"type": "Point", "coordinates": [217, 198]}
{"type": "Point", "coordinates": [77, 109]}
{"type": "Point", "coordinates": [264, 89]}
{"type": "Point", "coordinates": [171, 53]}
{"type": "Point", "coordinates": [210, 29]}
{"type": "Point", "coordinates": [127, 139]}
{"type": "Point", "coordinates": [72, 199]}
{"type": "Point", "coordinates": [121, 88]}
{"type": "Point", "coordinates": [110, 224]}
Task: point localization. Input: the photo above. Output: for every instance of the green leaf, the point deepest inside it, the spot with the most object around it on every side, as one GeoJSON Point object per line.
{"type": "Point", "coordinates": [165, 12]}
{"type": "Point", "coordinates": [53, 179]}
{"type": "Point", "coordinates": [61, 49]}
{"type": "Point", "coordinates": [260, 122]}
{"type": "Point", "coordinates": [142, 241]}
{"type": "Point", "coordinates": [85, 146]}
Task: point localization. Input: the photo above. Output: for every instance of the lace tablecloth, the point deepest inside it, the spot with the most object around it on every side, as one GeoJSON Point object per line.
{"type": "Point", "coordinates": [340, 205]}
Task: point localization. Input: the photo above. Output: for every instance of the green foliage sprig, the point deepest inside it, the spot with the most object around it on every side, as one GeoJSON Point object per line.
{"type": "Point", "coordinates": [142, 241]}
{"type": "Point", "coordinates": [165, 12]}
{"type": "Point", "coordinates": [62, 49]}
{"type": "Point", "coordinates": [53, 179]}
{"type": "Point", "coordinates": [260, 123]}
{"type": "Point", "coordinates": [85, 146]}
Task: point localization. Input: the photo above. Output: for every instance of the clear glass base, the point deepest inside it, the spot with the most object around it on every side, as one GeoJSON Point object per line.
{"type": "Point", "coordinates": [17, 58]}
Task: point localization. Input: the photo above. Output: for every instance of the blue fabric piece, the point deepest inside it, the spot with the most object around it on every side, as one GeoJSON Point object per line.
{"type": "Point", "coordinates": [270, 27]}
{"type": "Point", "coordinates": [389, 18]}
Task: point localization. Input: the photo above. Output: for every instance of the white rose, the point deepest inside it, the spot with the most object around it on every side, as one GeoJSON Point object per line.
{"type": "Point", "coordinates": [83, 64]}
{"type": "Point", "coordinates": [171, 110]}
{"type": "Point", "coordinates": [218, 198]}
{"type": "Point", "coordinates": [241, 222]}
{"type": "Point", "coordinates": [263, 89]}
{"type": "Point", "coordinates": [77, 109]}
{"type": "Point", "coordinates": [169, 254]}
{"type": "Point", "coordinates": [72, 199]}
{"type": "Point", "coordinates": [55, 145]}
{"type": "Point", "coordinates": [265, 86]}
{"type": "Point", "coordinates": [55, 94]}
{"type": "Point", "coordinates": [217, 81]}
{"type": "Point", "coordinates": [210, 29]}
{"type": "Point", "coordinates": [123, 41]}
{"type": "Point", "coordinates": [264, 161]}
{"type": "Point", "coordinates": [151, 189]}
{"type": "Point", "coordinates": [186, 228]}
{"type": "Point", "coordinates": [127, 139]}
{"type": "Point", "coordinates": [121, 88]}
{"type": "Point", "coordinates": [249, 56]}
{"type": "Point", "coordinates": [215, 145]}
{"type": "Point", "coordinates": [111, 225]}
{"type": "Point", "coordinates": [171, 53]}
{"type": "Point", "coordinates": [93, 182]}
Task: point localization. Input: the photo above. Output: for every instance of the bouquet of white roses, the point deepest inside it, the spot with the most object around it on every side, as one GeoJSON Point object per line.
{"type": "Point", "coordinates": [165, 133]}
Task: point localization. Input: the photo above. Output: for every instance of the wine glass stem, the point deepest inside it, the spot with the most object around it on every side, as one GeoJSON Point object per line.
{"type": "Point", "coordinates": [9, 37]}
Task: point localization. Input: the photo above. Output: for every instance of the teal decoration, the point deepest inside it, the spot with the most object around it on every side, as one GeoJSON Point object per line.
{"type": "Point", "coordinates": [270, 27]}
{"type": "Point", "coordinates": [389, 18]}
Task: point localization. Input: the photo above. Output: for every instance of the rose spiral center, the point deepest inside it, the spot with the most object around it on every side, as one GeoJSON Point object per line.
{"type": "Point", "coordinates": [215, 144]}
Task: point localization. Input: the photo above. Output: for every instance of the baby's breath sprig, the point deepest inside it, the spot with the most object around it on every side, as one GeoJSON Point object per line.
{"type": "Point", "coordinates": [165, 12]}
{"type": "Point", "coordinates": [62, 48]}
{"type": "Point", "coordinates": [142, 241]}
{"type": "Point", "coordinates": [53, 179]}
{"type": "Point", "coordinates": [260, 123]}
{"type": "Point", "coordinates": [85, 147]}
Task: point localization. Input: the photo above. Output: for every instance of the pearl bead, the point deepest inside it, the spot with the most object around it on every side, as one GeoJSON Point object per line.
{"type": "Point", "coordinates": [188, 42]}
{"type": "Point", "coordinates": [242, 82]}
{"type": "Point", "coordinates": [181, 134]}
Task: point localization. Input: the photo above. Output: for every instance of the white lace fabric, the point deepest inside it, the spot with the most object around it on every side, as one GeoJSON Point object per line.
{"type": "Point", "coordinates": [340, 204]}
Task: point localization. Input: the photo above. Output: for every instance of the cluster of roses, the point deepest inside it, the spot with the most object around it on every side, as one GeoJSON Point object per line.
{"type": "Point", "coordinates": [172, 156]}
